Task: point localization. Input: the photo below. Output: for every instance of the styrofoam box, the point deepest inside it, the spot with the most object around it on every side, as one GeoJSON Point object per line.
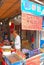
{"type": "Point", "coordinates": [15, 63]}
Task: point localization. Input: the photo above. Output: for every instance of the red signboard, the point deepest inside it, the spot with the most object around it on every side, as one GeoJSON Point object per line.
{"type": "Point", "coordinates": [31, 22]}
{"type": "Point", "coordinates": [33, 61]}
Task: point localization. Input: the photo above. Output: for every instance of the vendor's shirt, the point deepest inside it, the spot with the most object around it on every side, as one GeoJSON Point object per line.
{"type": "Point", "coordinates": [17, 42]}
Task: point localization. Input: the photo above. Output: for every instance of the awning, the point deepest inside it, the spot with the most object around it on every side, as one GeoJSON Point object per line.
{"type": "Point", "coordinates": [9, 8]}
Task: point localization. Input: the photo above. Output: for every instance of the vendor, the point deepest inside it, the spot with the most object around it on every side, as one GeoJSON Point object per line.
{"type": "Point", "coordinates": [17, 42]}
{"type": "Point", "coordinates": [6, 40]}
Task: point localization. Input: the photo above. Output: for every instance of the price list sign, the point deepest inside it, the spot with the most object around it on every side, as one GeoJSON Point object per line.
{"type": "Point", "coordinates": [31, 22]}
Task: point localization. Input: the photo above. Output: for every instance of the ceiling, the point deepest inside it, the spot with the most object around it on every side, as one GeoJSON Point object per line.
{"type": "Point", "coordinates": [10, 8]}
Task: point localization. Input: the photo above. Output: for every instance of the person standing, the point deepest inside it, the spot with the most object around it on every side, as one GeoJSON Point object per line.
{"type": "Point", "coordinates": [17, 42]}
{"type": "Point", "coordinates": [32, 41]}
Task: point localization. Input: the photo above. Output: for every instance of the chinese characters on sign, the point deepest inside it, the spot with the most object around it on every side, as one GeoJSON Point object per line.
{"type": "Point", "coordinates": [30, 22]}
{"type": "Point", "coordinates": [31, 7]}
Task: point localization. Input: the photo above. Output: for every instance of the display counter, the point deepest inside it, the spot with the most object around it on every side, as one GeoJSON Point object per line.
{"type": "Point", "coordinates": [11, 56]}
{"type": "Point", "coordinates": [15, 57]}
{"type": "Point", "coordinates": [35, 60]}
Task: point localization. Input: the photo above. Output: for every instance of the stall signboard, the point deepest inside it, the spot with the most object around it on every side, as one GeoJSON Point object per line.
{"type": "Point", "coordinates": [31, 7]}
{"type": "Point", "coordinates": [31, 22]}
{"type": "Point", "coordinates": [33, 61]}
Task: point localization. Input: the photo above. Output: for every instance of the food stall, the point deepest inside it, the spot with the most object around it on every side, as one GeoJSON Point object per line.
{"type": "Point", "coordinates": [11, 56]}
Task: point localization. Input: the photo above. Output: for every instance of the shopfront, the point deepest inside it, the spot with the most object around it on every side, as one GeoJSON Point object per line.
{"type": "Point", "coordinates": [26, 25]}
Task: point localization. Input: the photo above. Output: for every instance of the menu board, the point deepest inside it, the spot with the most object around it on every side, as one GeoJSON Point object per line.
{"type": "Point", "coordinates": [30, 7]}
{"type": "Point", "coordinates": [31, 22]}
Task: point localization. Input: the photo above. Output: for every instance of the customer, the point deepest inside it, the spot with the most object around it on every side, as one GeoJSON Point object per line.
{"type": "Point", "coordinates": [32, 41]}
{"type": "Point", "coordinates": [6, 37]}
{"type": "Point", "coordinates": [17, 42]}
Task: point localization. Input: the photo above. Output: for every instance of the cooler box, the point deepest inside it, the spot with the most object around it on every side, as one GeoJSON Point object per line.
{"type": "Point", "coordinates": [13, 59]}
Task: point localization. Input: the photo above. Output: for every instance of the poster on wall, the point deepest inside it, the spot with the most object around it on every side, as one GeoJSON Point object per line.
{"type": "Point", "coordinates": [31, 7]}
{"type": "Point", "coordinates": [30, 22]}
{"type": "Point", "coordinates": [33, 61]}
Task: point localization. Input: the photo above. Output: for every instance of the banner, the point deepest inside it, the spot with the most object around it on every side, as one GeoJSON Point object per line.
{"type": "Point", "coordinates": [31, 7]}
{"type": "Point", "coordinates": [30, 22]}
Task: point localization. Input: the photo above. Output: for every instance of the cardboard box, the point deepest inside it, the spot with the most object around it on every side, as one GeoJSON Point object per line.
{"type": "Point", "coordinates": [26, 44]}
{"type": "Point", "coordinates": [42, 50]}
